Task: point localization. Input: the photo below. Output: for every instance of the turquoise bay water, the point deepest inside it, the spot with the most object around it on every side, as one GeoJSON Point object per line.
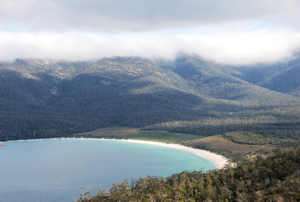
{"type": "Point", "coordinates": [55, 170]}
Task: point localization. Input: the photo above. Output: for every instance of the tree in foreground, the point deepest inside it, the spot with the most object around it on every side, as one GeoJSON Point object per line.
{"type": "Point", "coordinates": [276, 178]}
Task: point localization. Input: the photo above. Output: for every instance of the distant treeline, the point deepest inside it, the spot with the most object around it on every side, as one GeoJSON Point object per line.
{"type": "Point", "coordinates": [281, 138]}
{"type": "Point", "coordinates": [212, 126]}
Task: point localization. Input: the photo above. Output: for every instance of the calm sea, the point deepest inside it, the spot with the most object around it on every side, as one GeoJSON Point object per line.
{"type": "Point", "coordinates": [55, 170]}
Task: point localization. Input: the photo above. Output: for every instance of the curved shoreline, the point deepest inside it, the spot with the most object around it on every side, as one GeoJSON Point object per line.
{"type": "Point", "coordinates": [218, 160]}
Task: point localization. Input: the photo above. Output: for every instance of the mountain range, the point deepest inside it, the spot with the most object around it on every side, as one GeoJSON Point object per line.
{"type": "Point", "coordinates": [50, 98]}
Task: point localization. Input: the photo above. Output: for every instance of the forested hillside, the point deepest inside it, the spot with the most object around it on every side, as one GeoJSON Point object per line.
{"type": "Point", "coordinates": [282, 77]}
{"type": "Point", "coordinates": [49, 98]}
{"type": "Point", "coordinates": [276, 178]}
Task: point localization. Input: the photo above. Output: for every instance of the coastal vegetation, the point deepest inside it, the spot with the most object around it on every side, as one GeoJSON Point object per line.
{"type": "Point", "coordinates": [282, 138]}
{"type": "Point", "coordinates": [135, 133]}
{"type": "Point", "coordinates": [275, 178]}
{"type": "Point", "coordinates": [237, 146]}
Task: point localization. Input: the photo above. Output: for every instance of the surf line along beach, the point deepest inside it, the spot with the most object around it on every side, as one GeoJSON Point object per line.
{"type": "Point", "coordinates": [218, 160]}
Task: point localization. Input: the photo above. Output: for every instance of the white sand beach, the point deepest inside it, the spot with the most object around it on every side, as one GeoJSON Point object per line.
{"type": "Point", "coordinates": [218, 160]}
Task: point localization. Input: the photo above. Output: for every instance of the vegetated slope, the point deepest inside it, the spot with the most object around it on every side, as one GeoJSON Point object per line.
{"type": "Point", "coordinates": [282, 77]}
{"type": "Point", "coordinates": [276, 178]}
{"type": "Point", "coordinates": [215, 81]}
{"type": "Point", "coordinates": [45, 98]}
{"type": "Point", "coordinates": [287, 82]}
{"type": "Point", "coordinates": [118, 91]}
{"type": "Point", "coordinates": [244, 106]}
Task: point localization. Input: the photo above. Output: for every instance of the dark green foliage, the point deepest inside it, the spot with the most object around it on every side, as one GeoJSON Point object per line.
{"type": "Point", "coordinates": [276, 178]}
{"type": "Point", "coordinates": [248, 138]}
{"type": "Point", "coordinates": [282, 138]}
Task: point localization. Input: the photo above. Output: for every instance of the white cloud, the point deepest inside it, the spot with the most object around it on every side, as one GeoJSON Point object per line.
{"type": "Point", "coordinates": [137, 15]}
{"type": "Point", "coordinates": [261, 46]}
{"type": "Point", "coordinates": [14, 8]}
{"type": "Point", "coordinates": [232, 32]}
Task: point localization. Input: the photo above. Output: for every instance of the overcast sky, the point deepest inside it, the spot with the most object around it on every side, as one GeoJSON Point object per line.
{"type": "Point", "coordinates": [226, 31]}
